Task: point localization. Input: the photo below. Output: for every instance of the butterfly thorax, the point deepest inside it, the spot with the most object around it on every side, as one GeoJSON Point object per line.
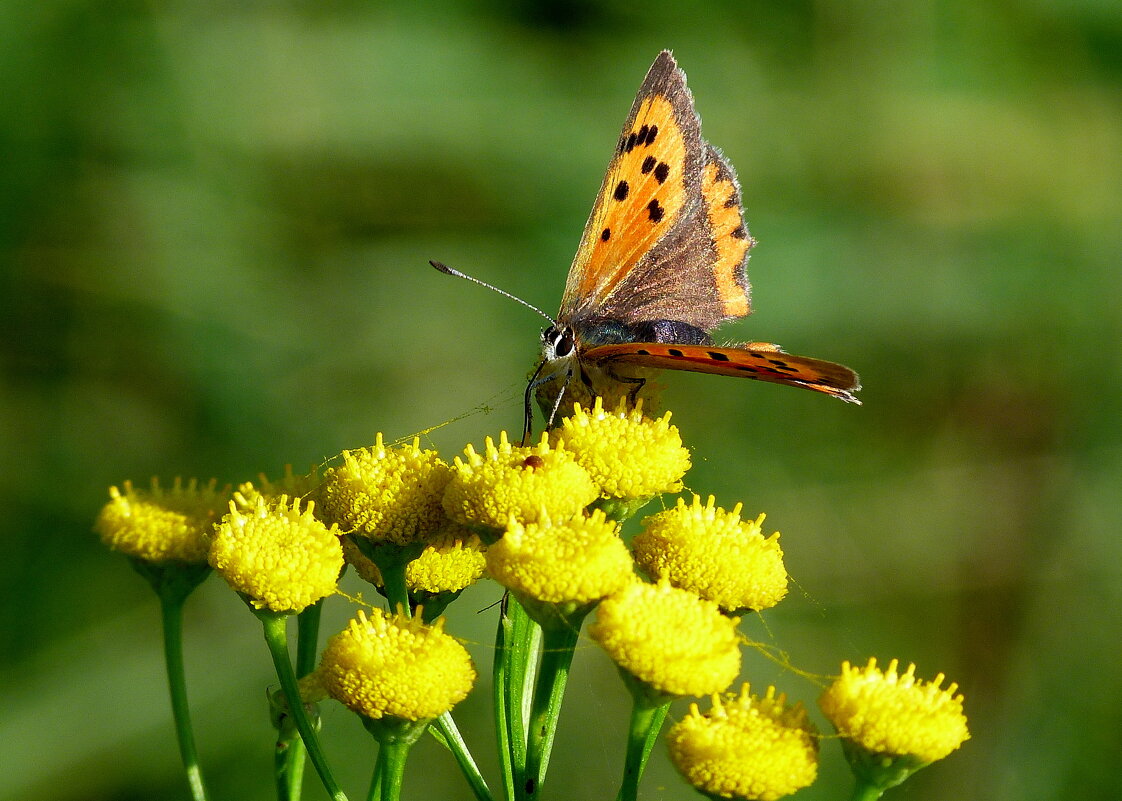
{"type": "Point", "coordinates": [561, 338]}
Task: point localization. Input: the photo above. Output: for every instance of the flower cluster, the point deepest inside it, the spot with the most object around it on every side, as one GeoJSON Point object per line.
{"type": "Point", "coordinates": [545, 522]}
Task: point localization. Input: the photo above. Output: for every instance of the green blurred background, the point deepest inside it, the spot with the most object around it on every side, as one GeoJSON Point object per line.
{"type": "Point", "coordinates": [214, 230]}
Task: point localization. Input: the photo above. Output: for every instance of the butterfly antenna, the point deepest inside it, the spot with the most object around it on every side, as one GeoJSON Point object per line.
{"type": "Point", "coordinates": [444, 268]}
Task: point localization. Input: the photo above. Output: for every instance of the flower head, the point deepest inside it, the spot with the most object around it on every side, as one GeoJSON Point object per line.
{"type": "Point", "coordinates": [715, 554]}
{"type": "Point", "coordinates": [278, 555]}
{"type": "Point", "coordinates": [888, 713]}
{"type": "Point", "coordinates": [395, 666]}
{"type": "Point", "coordinates": [162, 525]}
{"type": "Point", "coordinates": [386, 494]}
{"type": "Point", "coordinates": [574, 560]}
{"type": "Point", "coordinates": [453, 559]}
{"type": "Point", "coordinates": [746, 747]}
{"type": "Point", "coordinates": [669, 639]}
{"type": "Point", "coordinates": [630, 456]}
{"type": "Point", "coordinates": [290, 484]}
{"type": "Point", "coordinates": [507, 481]}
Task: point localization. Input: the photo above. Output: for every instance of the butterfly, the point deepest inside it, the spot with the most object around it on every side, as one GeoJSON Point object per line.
{"type": "Point", "coordinates": [662, 262]}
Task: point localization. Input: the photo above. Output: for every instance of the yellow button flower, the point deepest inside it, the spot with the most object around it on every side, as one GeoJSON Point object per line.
{"type": "Point", "coordinates": [630, 456]}
{"type": "Point", "coordinates": [746, 747]}
{"type": "Point", "coordinates": [396, 666]}
{"type": "Point", "coordinates": [162, 525]}
{"type": "Point", "coordinates": [506, 480]}
{"type": "Point", "coordinates": [715, 554]}
{"type": "Point", "coordinates": [576, 560]}
{"type": "Point", "coordinates": [300, 487]}
{"type": "Point", "coordinates": [280, 557]}
{"type": "Point", "coordinates": [888, 713]}
{"type": "Point", "coordinates": [453, 559]}
{"type": "Point", "coordinates": [386, 494]}
{"type": "Point", "coordinates": [673, 641]}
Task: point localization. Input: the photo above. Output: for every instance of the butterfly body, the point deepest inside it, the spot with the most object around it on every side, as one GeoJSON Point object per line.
{"type": "Point", "coordinates": [662, 262]}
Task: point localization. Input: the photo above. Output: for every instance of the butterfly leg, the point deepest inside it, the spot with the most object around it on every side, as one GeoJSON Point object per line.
{"type": "Point", "coordinates": [636, 382]}
{"type": "Point", "coordinates": [560, 395]}
{"type": "Point", "coordinates": [537, 381]}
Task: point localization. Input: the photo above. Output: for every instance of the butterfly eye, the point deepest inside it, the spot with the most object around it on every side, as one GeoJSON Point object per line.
{"type": "Point", "coordinates": [558, 341]}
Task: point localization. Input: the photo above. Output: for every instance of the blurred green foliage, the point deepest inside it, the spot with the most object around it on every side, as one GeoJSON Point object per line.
{"type": "Point", "coordinates": [215, 220]}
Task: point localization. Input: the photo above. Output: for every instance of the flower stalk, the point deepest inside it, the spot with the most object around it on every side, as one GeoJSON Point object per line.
{"type": "Point", "coordinates": [276, 638]}
{"type": "Point", "coordinates": [173, 583]}
{"type": "Point", "coordinates": [648, 712]}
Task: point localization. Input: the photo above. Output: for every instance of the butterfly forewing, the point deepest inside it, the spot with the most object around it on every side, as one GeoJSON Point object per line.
{"type": "Point", "coordinates": [652, 186]}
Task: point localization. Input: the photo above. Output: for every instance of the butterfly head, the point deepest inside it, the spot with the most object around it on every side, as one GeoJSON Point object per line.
{"type": "Point", "coordinates": [558, 342]}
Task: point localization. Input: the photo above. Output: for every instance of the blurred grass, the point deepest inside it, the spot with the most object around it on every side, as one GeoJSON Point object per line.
{"type": "Point", "coordinates": [214, 226]}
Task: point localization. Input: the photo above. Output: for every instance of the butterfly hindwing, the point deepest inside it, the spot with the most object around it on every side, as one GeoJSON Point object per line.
{"type": "Point", "coordinates": [762, 362]}
{"type": "Point", "coordinates": [652, 187]}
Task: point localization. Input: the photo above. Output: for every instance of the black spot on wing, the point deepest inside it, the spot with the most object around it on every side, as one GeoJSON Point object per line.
{"type": "Point", "coordinates": [622, 188]}
{"type": "Point", "coordinates": [648, 164]}
{"type": "Point", "coordinates": [674, 351]}
{"type": "Point", "coordinates": [655, 211]}
{"type": "Point", "coordinates": [718, 357]}
{"type": "Point", "coordinates": [661, 171]}
{"type": "Point", "coordinates": [606, 234]}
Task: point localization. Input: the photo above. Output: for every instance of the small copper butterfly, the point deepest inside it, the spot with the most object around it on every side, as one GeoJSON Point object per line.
{"type": "Point", "coordinates": [662, 262]}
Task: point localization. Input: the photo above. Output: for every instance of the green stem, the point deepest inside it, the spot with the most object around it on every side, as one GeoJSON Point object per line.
{"type": "Point", "coordinates": [393, 582]}
{"type": "Point", "coordinates": [375, 791]}
{"type": "Point", "coordinates": [449, 734]}
{"type": "Point", "coordinates": [276, 637]}
{"type": "Point", "coordinates": [558, 644]}
{"type": "Point", "coordinates": [289, 761]}
{"type": "Point", "coordinates": [395, 737]}
{"type": "Point", "coordinates": [171, 609]}
{"type": "Point", "coordinates": [647, 716]}
{"type": "Point", "coordinates": [865, 791]}
{"type": "Point", "coordinates": [520, 670]}
{"type": "Point", "coordinates": [500, 684]}
{"type": "Point", "coordinates": [392, 755]}
{"type": "Point", "coordinates": [307, 638]}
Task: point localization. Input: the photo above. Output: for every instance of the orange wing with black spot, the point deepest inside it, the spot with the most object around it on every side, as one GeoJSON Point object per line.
{"type": "Point", "coordinates": [666, 238]}
{"type": "Point", "coordinates": [756, 360]}
{"type": "Point", "coordinates": [652, 188]}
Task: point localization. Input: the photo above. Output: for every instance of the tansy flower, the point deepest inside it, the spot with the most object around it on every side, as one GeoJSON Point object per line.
{"type": "Point", "coordinates": [669, 639]}
{"type": "Point", "coordinates": [487, 489]}
{"type": "Point", "coordinates": [395, 666]}
{"type": "Point", "coordinates": [278, 555]}
{"type": "Point", "coordinates": [715, 554]}
{"type": "Point", "coordinates": [746, 747]}
{"type": "Point", "coordinates": [577, 560]}
{"type": "Point", "coordinates": [628, 455]}
{"type": "Point", "coordinates": [290, 484]}
{"type": "Point", "coordinates": [386, 494]}
{"type": "Point", "coordinates": [892, 723]}
{"type": "Point", "coordinates": [453, 559]}
{"type": "Point", "coordinates": [162, 525]}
